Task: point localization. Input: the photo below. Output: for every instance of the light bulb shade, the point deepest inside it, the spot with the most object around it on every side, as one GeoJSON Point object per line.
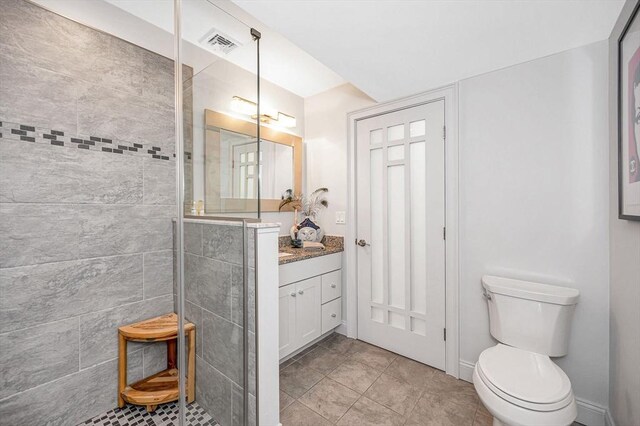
{"type": "Point", "coordinates": [243, 106]}
{"type": "Point", "coordinates": [267, 115]}
{"type": "Point", "coordinates": [286, 120]}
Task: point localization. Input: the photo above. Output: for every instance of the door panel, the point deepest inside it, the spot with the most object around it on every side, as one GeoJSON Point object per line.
{"type": "Point", "coordinates": [308, 316]}
{"type": "Point", "coordinates": [287, 323]}
{"type": "Point", "coordinates": [400, 212]}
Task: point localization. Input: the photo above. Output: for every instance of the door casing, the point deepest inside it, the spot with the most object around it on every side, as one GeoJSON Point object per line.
{"type": "Point", "coordinates": [450, 96]}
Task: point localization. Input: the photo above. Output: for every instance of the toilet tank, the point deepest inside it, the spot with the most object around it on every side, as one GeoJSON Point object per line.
{"type": "Point", "coordinates": [531, 316]}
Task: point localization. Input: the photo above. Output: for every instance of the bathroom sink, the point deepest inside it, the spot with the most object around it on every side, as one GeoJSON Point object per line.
{"type": "Point", "coordinates": [283, 254]}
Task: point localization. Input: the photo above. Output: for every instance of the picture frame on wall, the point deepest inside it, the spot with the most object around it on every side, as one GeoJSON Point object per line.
{"type": "Point", "coordinates": [629, 119]}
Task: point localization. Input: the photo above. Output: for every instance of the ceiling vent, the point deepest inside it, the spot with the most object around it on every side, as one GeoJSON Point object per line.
{"type": "Point", "coordinates": [218, 41]}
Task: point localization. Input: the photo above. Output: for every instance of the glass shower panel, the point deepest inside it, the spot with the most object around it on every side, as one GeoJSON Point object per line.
{"type": "Point", "coordinates": [217, 269]}
{"type": "Point", "coordinates": [219, 191]}
{"type": "Point", "coordinates": [222, 161]}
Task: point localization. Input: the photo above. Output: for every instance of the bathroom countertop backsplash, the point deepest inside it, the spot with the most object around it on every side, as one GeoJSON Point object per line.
{"type": "Point", "coordinates": [332, 244]}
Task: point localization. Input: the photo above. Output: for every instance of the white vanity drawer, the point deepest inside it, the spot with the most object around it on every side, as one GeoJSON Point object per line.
{"type": "Point", "coordinates": [331, 285]}
{"type": "Point", "coordinates": [303, 269]}
{"type": "Point", "coordinates": [331, 315]}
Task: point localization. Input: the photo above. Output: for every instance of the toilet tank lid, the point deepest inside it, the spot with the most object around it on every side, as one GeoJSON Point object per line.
{"type": "Point", "coordinates": [531, 290]}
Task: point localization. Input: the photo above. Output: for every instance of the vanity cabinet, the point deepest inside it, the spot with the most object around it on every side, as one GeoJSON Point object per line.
{"type": "Point", "coordinates": [300, 310]}
{"type": "Point", "coordinates": [310, 300]}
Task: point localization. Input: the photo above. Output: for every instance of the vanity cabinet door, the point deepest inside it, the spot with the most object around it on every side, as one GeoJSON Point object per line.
{"type": "Point", "coordinates": [308, 315]}
{"type": "Point", "coordinates": [287, 307]}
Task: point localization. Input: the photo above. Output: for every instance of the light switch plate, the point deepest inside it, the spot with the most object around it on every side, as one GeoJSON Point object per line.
{"type": "Point", "coordinates": [341, 218]}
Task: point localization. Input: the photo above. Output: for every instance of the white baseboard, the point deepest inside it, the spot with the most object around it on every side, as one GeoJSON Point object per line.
{"type": "Point", "coordinates": [465, 370]}
{"type": "Point", "coordinates": [302, 348]}
{"type": "Point", "coordinates": [589, 414]}
{"type": "Point", "coordinates": [608, 420]}
{"type": "Point", "coordinates": [342, 328]}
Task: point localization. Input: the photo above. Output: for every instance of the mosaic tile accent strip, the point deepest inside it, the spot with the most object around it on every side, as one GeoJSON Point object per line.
{"type": "Point", "coordinates": [164, 415]}
{"type": "Point", "coordinates": [26, 133]}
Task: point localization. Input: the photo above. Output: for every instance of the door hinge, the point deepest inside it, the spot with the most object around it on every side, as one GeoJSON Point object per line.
{"type": "Point", "coordinates": [444, 132]}
{"type": "Point", "coordinates": [444, 233]}
{"type": "Point", "coordinates": [445, 334]}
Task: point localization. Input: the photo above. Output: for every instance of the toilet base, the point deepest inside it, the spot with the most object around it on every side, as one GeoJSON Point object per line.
{"type": "Point", "coordinates": [497, 422]}
{"type": "Point", "coordinates": [507, 414]}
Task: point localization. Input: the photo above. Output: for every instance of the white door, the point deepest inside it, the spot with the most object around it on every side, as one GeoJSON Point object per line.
{"type": "Point", "coordinates": [245, 169]}
{"type": "Point", "coordinates": [400, 225]}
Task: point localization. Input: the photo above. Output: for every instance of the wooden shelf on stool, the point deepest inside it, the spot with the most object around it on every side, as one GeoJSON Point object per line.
{"type": "Point", "coordinates": [157, 389]}
{"type": "Point", "coordinates": [163, 386]}
{"type": "Point", "coordinates": [156, 329]}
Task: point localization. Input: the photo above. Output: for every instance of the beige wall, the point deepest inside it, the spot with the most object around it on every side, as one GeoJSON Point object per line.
{"type": "Point", "coordinates": [326, 147]}
{"type": "Point", "coordinates": [624, 322]}
{"type": "Point", "coordinates": [539, 212]}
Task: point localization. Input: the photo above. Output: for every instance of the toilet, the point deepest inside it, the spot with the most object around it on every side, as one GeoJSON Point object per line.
{"type": "Point", "coordinates": [516, 380]}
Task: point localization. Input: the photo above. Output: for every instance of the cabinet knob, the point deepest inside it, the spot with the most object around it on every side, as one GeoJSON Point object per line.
{"type": "Point", "coordinates": [293, 294]}
{"type": "Point", "coordinates": [333, 286]}
{"type": "Point", "coordinates": [300, 291]}
{"type": "Point", "coordinates": [333, 315]}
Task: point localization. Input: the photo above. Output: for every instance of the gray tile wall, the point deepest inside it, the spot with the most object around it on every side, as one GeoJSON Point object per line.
{"type": "Point", "coordinates": [214, 294]}
{"type": "Point", "coordinates": [86, 239]}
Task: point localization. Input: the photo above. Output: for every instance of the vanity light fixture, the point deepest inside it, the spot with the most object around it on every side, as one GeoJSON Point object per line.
{"type": "Point", "coordinates": [286, 120]}
{"type": "Point", "coordinates": [243, 106]}
{"type": "Point", "coordinates": [247, 107]}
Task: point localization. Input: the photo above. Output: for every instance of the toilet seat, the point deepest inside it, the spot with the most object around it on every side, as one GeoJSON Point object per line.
{"type": "Point", "coordinates": [526, 379]}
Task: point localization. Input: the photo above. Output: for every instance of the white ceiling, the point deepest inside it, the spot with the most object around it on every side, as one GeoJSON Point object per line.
{"type": "Point", "coordinates": [391, 49]}
{"type": "Point", "coordinates": [149, 23]}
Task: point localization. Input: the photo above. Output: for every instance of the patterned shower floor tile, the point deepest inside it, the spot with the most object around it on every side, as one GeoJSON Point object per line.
{"type": "Point", "coordinates": [164, 415]}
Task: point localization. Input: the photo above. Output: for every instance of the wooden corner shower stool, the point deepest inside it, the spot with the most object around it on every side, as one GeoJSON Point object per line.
{"type": "Point", "coordinates": [163, 386]}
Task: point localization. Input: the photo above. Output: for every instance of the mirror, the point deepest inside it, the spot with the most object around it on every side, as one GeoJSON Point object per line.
{"type": "Point", "coordinates": [232, 163]}
{"type": "Point", "coordinates": [239, 167]}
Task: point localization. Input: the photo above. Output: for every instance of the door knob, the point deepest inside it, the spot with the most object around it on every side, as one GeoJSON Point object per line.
{"type": "Point", "coordinates": [293, 294]}
{"type": "Point", "coordinates": [333, 286]}
{"type": "Point", "coordinates": [333, 315]}
{"type": "Point", "coordinates": [301, 292]}
{"type": "Point", "coordinates": [362, 243]}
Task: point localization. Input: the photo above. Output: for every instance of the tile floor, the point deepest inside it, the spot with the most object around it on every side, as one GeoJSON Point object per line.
{"type": "Point", "coordinates": [349, 382]}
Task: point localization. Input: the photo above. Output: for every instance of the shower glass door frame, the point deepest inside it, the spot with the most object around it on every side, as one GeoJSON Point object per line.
{"type": "Point", "coordinates": [179, 235]}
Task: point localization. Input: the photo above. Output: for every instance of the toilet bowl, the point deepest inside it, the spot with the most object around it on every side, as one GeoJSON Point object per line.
{"type": "Point", "coordinates": [516, 380]}
{"type": "Point", "coordinates": [523, 388]}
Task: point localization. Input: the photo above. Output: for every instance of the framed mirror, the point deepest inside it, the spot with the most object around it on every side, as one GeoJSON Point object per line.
{"type": "Point", "coordinates": [232, 164]}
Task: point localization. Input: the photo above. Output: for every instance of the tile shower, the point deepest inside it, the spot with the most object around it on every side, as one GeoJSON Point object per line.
{"type": "Point", "coordinates": [87, 196]}
{"type": "Point", "coordinates": [214, 303]}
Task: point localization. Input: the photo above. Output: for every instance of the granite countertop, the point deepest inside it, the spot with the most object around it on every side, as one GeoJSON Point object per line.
{"type": "Point", "coordinates": [332, 244]}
